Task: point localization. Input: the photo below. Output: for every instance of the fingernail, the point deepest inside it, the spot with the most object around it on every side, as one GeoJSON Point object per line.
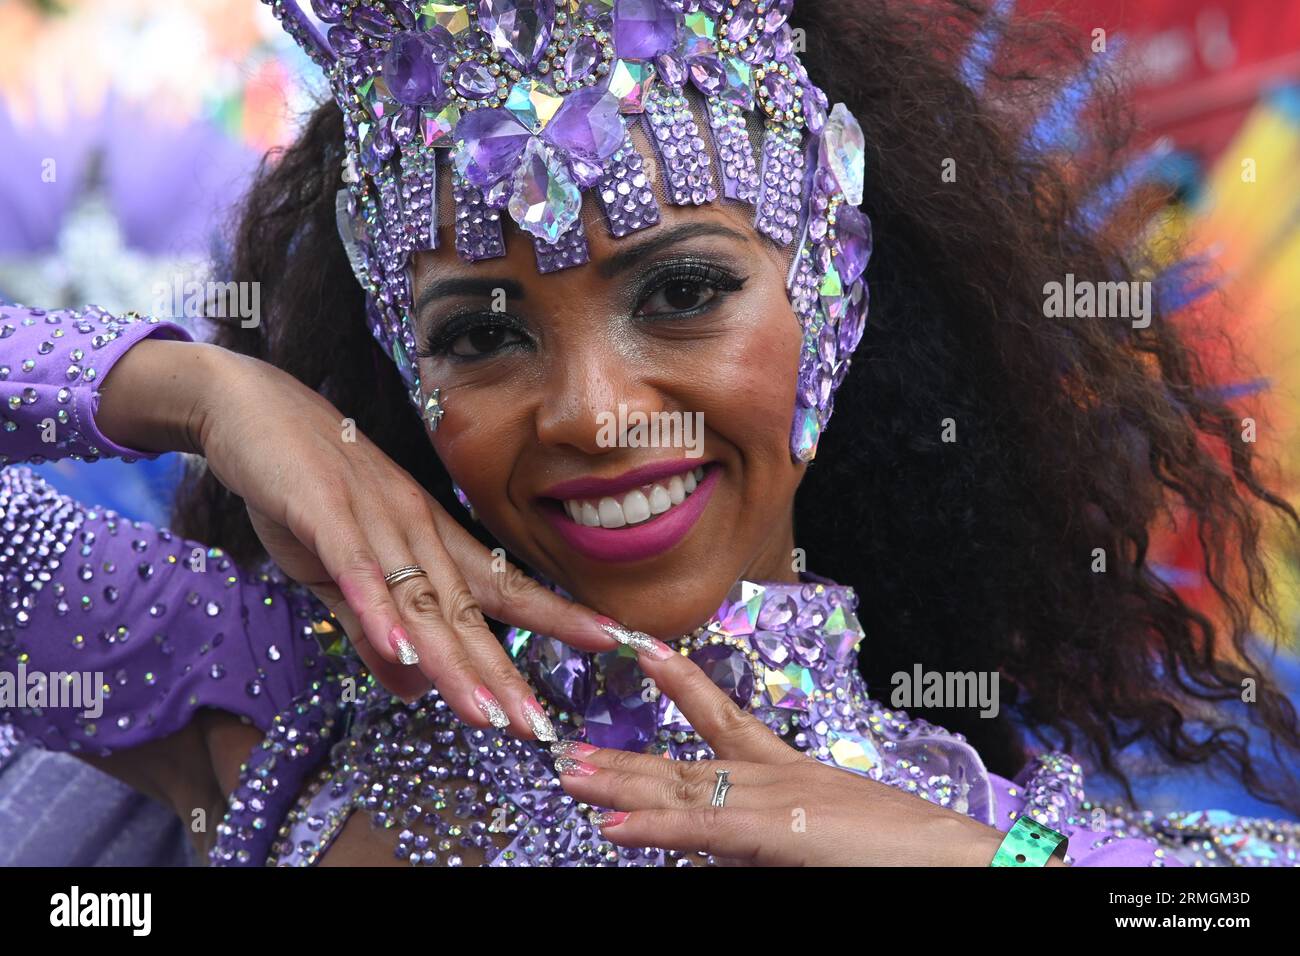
{"type": "Point", "coordinates": [491, 708]}
{"type": "Point", "coordinates": [570, 767]}
{"type": "Point", "coordinates": [538, 722]}
{"type": "Point", "coordinates": [639, 641]}
{"type": "Point", "coordinates": [402, 646]}
{"type": "Point", "coordinates": [608, 818]}
{"type": "Point", "coordinates": [571, 748]}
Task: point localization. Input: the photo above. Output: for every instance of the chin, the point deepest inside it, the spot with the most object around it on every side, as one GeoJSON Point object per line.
{"type": "Point", "coordinates": [666, 609]}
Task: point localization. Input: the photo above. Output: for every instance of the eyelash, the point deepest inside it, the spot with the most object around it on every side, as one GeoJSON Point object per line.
{"type": "Point", "coordinates": [441, 339]}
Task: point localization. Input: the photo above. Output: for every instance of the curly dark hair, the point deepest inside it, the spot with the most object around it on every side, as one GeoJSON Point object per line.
{"type": "Point", "coordinates": [1072, 435]}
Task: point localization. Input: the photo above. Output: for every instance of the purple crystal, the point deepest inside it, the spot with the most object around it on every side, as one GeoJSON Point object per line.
{"type": "Point", "coordinates": [782, 43]}
{"type": "Point", "coordinates": [588, 124]}
{"type": "Point", "coordinates": [729, 668]}
{"type": "Point", "coordinates": [672, 69]}
{"type": "Point", "coordinates": [853, 323]}
{"type": "Point", "coordinates": [329, 11]}
{"type": "Point", "coordinates": [772, 648]}
{"type": "Point", "coordinates": [621, 718]}
{"type": "Point", "coordinates": [489, 143]}
{"type": "Point", "coordinates": [611, 725]}
{"type": "Point", "coordinates": [371, 22]}
{"type": "Point", "coordinates": [344, 42]}
{"type": "Point", "coordinates": [404, 124]}
{"type": "Point", "coordinates": [473, 80]}
{"type": "Point", "coordinates": [645, 28]}
{"type": "Point", "coordinates": [777, 612]}
{"type": "Point", "coordinates": [413, 68]}
{"type": "Point", "coordinates": [779, 91]}
{"type": "Point", "coordinates": [582, 58]}
{"type": "Point", "coordinates": [520, 29]}
{"type": "Point", "coordinates": [760, 51]}
{"type": "Point", "coordinates": [404, 14]}
{"type": "Point", "coordinates": [565, 673]}
{"type": "Point", "coordinates": [777, 13]}
{"type": "Point", "coordinates": [742, 22]}
{"type": "Point", "coordinates": [808, 649]}
{"type": "Point", "coordinates": [853, 241]}
{"type": "Point", "coordinates": [708, 74]}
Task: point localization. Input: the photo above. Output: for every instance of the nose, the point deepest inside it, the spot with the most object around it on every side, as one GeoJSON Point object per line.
{"type": "Point", "coordinates": [580, 405]}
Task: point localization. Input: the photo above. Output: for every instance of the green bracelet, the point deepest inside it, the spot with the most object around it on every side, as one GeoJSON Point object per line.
{"type": "Point", "coordinates": [1029, 843]}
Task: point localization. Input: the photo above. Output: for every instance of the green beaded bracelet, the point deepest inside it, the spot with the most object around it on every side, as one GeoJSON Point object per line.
{"type": "Point", "coordinates": [1029, 843]}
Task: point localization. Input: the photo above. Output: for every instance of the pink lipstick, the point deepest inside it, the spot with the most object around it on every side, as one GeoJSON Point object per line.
{"type": "Point", "coordinates": [633, 542]}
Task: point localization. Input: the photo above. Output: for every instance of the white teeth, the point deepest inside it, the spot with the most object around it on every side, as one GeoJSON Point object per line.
{"type": "Point", "coordinates": [611, 514]}
{"type": "Point", "coordinates": [638, 505]}
{"type": "Point", "coordinates": [659, 500]}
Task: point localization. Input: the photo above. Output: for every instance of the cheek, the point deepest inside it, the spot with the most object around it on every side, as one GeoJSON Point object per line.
{"type": "Point", "coordinates": [476, 443]}
{"type": "Point", "coordinates": [752, 388]}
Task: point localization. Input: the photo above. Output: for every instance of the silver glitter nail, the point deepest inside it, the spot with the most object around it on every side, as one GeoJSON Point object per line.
{"type": "Point", "coordinates": [406, 652]}
{"type": "Point", "coordinates": [637, 640]}
{"type": "Point", "coordinates": [564, 748]}
{"type": "Point", "coordinates": [567, 764]}
{"type": "Point", "coordinates": [493, 711]}
{"type": "Point", "coordinates": [539, 724]}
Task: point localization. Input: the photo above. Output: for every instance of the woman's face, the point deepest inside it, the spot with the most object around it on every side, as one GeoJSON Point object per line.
{"type": "Point", "coordinates": [684, 328]}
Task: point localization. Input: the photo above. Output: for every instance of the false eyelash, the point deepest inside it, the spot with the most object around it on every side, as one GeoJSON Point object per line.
{"type": "Point", "coordinates": [720, 279]}
{"type": "Point", "coordinates": [440, 339]}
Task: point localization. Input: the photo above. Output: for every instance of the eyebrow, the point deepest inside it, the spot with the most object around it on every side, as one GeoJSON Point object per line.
{"type": "Point", "coordinates": [627, 258]}
{"type": "Point", "coordinates": [620, 262]}
{"type": "Point", "coordinates": [467, 286]}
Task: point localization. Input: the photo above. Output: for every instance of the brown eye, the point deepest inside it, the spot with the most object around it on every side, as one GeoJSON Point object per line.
{"type": "Point", "coordinates": [482, 340]}
{"type": "Point", "coordinates": [680, 295]}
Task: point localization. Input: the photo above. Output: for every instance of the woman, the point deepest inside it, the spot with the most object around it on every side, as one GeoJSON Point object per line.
{"type": "Point", "coordinates": [697, 260]}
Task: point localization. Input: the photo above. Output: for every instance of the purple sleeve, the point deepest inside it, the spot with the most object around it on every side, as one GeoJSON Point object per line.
{"type": "Point", "coordinates": [113, 632]}
{"type": "Point", "coordinates": [1090, 844]}
{"type": "Point", "coordinates": [126, 629]}
{"type": "Point", "coordinates": [52, 365]}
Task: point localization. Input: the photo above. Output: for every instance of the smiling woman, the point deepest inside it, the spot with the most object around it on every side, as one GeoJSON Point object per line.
{"type": "Point", "coordinates": [614, 207]}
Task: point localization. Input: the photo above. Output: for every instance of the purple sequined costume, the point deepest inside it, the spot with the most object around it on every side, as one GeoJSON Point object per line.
{"type": "Point", "coordinates": [168, 625]}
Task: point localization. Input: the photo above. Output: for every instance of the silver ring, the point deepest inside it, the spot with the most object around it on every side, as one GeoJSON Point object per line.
{"type": "Point", "coordinates": [404, 574]}
{"type": "Point", "coordinates": [720, 791]}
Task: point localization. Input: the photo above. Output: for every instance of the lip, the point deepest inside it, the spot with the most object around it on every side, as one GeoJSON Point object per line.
{"type": "Point", "coordinates": [602, 487]}
{"type": "Point", "coordinates": [640, 541]}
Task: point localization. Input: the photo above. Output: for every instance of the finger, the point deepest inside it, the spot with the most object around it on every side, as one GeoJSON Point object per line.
{"type": "Point", "coordinates": [352, 565]}
{"type": "Point", "coordinates": [733, 733]}
{"type": "Point", "coordinates": [626, 790]}
{"type": "Point", "coordinates": [441, 656]}
{"type": "Point", "coordinates": [507, 594]}
{"type": "Point", "coordinates": [502, 691]}
{"type": "Point", "coordinates": [408, 683]}
{"type": "Point", "coordinates": [662, 766]}
{"type": "Point", "coordinates": [719, 831]}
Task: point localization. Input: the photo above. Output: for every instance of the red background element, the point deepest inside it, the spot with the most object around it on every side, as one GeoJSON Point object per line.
{"type": "Point", "coordinates": [1198, 65]}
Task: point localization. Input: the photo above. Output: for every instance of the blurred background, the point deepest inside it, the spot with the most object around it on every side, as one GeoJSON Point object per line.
{"type": "Point", "coordinates": [129, 129]}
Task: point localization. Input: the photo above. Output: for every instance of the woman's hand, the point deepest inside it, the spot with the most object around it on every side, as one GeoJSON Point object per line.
{"type": "Point", "coordinates": [335, 513]}
{"type": "Point", "coordinates": [783, 808]}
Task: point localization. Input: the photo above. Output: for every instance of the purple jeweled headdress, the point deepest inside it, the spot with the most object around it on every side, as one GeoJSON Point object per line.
{"type": "Point", "coordinates": [527, 103]}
